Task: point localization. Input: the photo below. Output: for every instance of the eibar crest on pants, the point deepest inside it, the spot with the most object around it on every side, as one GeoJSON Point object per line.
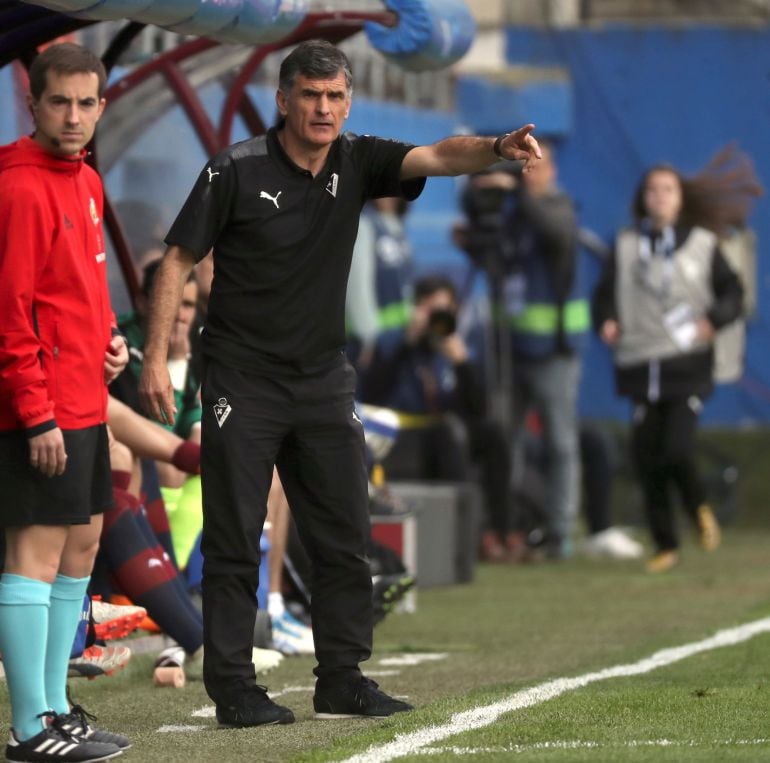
{"type": "Point", "coordinates": [303, 423]}
{"type": "Point", "coordinates": [222, 410]}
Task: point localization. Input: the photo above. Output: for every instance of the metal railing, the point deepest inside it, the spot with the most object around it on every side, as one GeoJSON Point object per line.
{"type": "Point", "coordinates": [375, 77]}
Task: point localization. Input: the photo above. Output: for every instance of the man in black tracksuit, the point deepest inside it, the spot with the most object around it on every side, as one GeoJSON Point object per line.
{"type": "Point", "coordinates": [281, 213]}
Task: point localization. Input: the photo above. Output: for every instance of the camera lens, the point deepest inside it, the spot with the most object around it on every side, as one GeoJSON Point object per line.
{"type": "Point", "coordinates": [442, 323]}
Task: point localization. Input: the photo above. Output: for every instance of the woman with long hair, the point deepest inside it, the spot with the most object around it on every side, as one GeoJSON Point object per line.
{"type": "Point", "coordinates": [661, 298]}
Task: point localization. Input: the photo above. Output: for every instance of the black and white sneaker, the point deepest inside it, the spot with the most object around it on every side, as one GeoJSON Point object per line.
{"type": "Point", "coordinates": [51, 744]}
{"type": "Point", "coordinates": [76, 723]}
{"type": "Point", "coordinates": [252, 707]}
{"type": "Point", "coordinates": [355, 699]}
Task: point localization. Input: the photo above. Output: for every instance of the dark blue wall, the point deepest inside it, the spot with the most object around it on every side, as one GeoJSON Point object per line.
{"type": "Point", "coordinates": [645, 95]}
{"type": "Point", "coordinates": [637, 96]}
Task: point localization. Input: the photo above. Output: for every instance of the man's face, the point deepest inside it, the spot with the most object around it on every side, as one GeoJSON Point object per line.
{"type": "Point", "coordinates": [434, 314]}
{"type": "Point", "coordinates": [439, 300]}
{"type": "Point", "coordinates": [67, 112]}
{"type": "Point", "coordinates": [315, 109]}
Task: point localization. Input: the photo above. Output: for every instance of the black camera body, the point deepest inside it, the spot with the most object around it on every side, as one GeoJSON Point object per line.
{"type": "Point", "coordinates": [442, 323]}
{"type": "Point", "coordinates": [485, 210]}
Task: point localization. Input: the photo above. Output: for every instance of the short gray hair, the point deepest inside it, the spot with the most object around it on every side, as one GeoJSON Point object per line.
{"type": "Point", "coordinates": [315, 59]}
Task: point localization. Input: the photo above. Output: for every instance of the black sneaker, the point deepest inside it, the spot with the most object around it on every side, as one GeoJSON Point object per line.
{"type": "Point", "coordinates": [53, 744]}
{"type": "Point", "coordinates": [355, 699]}
{"type": "Point", "coordinates": [76, 724]}
{"type": "Point", "coordinates": [252, 707]}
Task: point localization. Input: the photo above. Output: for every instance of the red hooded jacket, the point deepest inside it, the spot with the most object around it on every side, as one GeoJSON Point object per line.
{"type": "Point", "coordinates": [55, 316]}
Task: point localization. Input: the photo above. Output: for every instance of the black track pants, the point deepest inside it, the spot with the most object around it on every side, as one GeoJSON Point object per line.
{"type": "Point", "coordinates": [307, 426]}
{"type": "Point", "coordinates": [664, 452]}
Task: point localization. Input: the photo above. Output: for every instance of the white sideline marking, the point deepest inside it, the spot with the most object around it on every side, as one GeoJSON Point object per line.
{"type": "Point", "coordinates": [381, 673]}
{"type": "Point", "coordinates": [587, 745]}
{"type": "Point", "coordinates": [413, 659]}
{"type": "Point", "coordinates": [205, 712]}
{"type": "Point", "coordinates": [409, 744]}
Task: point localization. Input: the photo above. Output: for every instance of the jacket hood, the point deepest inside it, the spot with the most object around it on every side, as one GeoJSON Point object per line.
{"type": "Point", "coordinates": [26, 152]}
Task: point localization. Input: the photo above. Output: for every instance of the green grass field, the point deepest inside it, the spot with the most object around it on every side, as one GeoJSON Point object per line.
{"type": "Point", "coordinates": [512, 629]}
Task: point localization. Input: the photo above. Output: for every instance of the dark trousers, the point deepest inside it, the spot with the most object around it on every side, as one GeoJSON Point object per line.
{"type": "Point", "coordinates": [596, 460]}
{"type": "Point", "coordinates": [306, 426]}
{"type": "Point", "coordinates": [663, 441]}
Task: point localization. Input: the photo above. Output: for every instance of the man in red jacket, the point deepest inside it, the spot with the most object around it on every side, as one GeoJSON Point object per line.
{"type": "Point", "coordinates": [59, 349]}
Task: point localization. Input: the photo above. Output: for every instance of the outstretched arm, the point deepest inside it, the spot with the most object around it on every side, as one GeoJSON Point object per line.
{"type": "Point", "coordinates": [463, 154]}
{"type": "Point", "coordinates": [146, 439]}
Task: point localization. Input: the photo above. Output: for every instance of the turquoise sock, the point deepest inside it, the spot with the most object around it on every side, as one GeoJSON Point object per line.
{"type": "Point", "coordinates": [24, 604]}
{"type": "Point", "coordinates": [66, 608]}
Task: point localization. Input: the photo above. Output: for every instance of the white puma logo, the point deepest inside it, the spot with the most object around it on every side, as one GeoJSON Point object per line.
{"type": "Point", "coordinates": [274, 199]}
{"type": "Point", "coordinates": [211, 174]}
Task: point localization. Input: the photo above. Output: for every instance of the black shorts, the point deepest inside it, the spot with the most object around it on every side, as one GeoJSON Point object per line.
{"type": "Point", "coordinates": [27, 497]}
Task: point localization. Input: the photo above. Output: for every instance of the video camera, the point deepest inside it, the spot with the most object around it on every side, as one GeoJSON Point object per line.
{"type": "Point", "coordinates": [485, 209]}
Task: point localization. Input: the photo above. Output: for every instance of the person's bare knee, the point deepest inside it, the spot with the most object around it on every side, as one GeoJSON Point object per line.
{"type": "Point", "coordinates": [77, 559]}
{"type": "Point", "coordinates": [35, 552]}
{"type": "Point", "coordinates": [121, 458]}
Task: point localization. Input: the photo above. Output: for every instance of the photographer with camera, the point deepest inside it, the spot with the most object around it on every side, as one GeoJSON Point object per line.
{"type": "Point", "coordinates": [425, 372]}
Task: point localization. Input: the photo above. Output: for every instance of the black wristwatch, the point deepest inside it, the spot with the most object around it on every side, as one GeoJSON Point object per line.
{"type": "Point", "coordinates": [496, 146]}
